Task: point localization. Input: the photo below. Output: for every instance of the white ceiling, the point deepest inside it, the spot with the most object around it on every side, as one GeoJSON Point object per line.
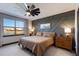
{"type": "Point", "coordinates": [46, 9]}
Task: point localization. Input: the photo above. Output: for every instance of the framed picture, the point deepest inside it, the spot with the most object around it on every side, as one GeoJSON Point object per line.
{"type": "Point", "coordinates": [45, 26]}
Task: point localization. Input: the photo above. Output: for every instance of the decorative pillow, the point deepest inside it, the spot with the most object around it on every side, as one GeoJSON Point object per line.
{"type": "Point", "coordinates": [38, 34]}
{"type": "Point", "coordinates": [49, 34]}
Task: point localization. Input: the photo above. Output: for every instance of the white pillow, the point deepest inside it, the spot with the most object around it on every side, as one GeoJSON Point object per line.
{"type": "Point", "coordinates": [38, 34]}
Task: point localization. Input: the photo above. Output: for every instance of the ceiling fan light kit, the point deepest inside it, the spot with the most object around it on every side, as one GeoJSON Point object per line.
{"type": "Point", "coordinates": [28, 14]}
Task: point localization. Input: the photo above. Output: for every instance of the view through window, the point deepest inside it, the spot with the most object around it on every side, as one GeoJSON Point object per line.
{"type": "Point", "coordinates": [13, 27]}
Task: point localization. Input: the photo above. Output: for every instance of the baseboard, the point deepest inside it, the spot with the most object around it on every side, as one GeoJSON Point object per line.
{"type": "Point", "coordinates": [9, 43]}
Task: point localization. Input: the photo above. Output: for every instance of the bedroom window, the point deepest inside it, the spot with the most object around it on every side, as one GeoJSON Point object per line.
{"type": "Point", "coordinates": [12, 27]}
{"type": "Point", "coordinates": [19, 27]}
{"type": "Point", "coordinates": [9, 27]}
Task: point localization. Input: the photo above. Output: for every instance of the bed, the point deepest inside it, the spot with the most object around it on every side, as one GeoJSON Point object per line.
{"type": "Point", "coordinates": [37, 44]}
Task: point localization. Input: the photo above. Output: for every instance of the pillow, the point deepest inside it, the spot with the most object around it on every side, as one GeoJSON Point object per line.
{"type": "Point", "coordinates": [49, 34]}
{"type": "Point", "coordinates": [38, 34]}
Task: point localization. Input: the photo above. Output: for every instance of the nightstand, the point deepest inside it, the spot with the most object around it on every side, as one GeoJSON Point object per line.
{"type": "Point", "coordinates": [64, 42]}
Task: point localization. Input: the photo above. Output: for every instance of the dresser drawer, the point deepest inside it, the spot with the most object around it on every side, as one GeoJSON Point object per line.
{"type": "Point", "coordinates": [60, 44]}
{"type": "Point", "coordinates": [64, 42]}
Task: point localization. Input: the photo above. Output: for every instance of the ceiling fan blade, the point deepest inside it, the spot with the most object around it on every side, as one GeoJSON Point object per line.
{"type": "Point", "coordinates": [37, 12]}
{"type": "Point", "coordinates": [25, 5]}
{"type": "Point", "coordinates": [37, 9]}
{"type": "Point", "coordinates": [32, 7]}
{"type": "Point", "coordinates": [33, 14]}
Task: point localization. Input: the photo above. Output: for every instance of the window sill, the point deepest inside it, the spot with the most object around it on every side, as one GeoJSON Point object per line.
{"type": "Point", "coordinates": [12, 35]}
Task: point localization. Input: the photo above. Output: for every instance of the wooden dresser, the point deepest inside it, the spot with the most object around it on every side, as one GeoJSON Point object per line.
{"type": "Point", "coordinates": [64, 42]}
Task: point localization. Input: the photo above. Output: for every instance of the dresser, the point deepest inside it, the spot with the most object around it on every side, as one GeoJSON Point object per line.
{"type": "Point", "coordinates": [64, 42]}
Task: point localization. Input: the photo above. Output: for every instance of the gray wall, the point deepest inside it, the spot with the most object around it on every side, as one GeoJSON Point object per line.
{"type": "Point", "coordinates": [58, 22]}
{"type": "Point", "coordinates": [10, 39]}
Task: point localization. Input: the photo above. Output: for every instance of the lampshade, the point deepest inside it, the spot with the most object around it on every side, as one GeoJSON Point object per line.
{"type": "Point", "coordinates": [67, 30]}
{"type": "Point", "coordinates": [32, 29]}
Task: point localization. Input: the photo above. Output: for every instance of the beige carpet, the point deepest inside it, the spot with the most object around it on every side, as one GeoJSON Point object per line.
{"type": "Point", "coordinates": [15, 50]}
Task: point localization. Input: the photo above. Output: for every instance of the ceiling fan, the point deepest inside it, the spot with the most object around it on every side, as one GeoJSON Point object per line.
{"type": "Point", "coordinates": [31, 10]}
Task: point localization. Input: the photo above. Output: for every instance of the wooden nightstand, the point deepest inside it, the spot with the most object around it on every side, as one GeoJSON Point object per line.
{"type": "Point", "coordinates": [64, 42]}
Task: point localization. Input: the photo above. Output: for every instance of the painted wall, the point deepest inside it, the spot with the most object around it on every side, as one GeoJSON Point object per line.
{"type": "Point", "coordinates": [58, 22]}
{"type": "Point", "coordinates": [10, 39]}
{"type": "Point", "coordinates": [29, 26]}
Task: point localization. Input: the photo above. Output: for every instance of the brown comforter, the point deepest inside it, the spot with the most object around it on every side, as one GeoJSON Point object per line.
{"type": "Point", "coordinates": [37, 44]}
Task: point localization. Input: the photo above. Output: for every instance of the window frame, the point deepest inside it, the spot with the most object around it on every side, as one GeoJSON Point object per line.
{"type": "Point", "coordinates": [15, 34]}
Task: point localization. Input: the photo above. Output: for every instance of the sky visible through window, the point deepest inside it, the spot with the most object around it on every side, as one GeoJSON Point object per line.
{"type": "Point", "coordinates": [8, 22]}
{"type": "Point", "coordinates": [19, 24]}
{"type": "Point", "coordinates": [11, 23]}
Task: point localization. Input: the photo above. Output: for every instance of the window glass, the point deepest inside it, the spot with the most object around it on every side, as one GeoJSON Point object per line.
{"type": "Point", "coordinates": [8, 22]}
{"type": "Point", "coordinates": [19, 24]}
{"type": "Point", "coordinates": [13, 27]}
{"type": "Point", "coordinates": [9, 31]}
{"type": "Point", "coordinates": [19, 31]}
